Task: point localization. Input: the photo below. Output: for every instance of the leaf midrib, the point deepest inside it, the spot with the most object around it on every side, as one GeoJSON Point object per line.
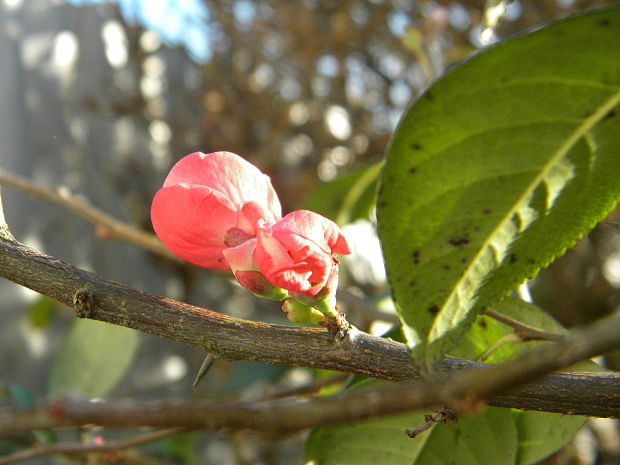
{"type": "Point", "coordinates": [580, 131]}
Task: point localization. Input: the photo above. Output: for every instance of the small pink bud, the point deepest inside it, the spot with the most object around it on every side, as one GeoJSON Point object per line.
{"type": "Point", "coordinates": [298, 253]}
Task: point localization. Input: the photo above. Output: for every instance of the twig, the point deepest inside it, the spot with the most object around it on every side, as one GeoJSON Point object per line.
{"type": "Point", "coordinates": [307, 389]}
{"type": "Point", "coordinates": [221, 335]}
{"type": "Point", "coordinates": [445, 416]}
{"type": "Point", "coordinates": [107, 227]}
{"type": "Point", "coordinates": [79, 448]}
{"type": "Point", "coordinates": [506, 385]}
{"type": "Point", "coordinates": [596, 394]}
{"type": "Point", "coordinates": [523, 331]}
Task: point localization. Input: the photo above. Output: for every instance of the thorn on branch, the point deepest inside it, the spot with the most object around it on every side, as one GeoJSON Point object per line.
{"type": "Point", "coordinates": [84, 303]}
{"type": "Point", "coordinates": [445, 416]}
{"type": "Point", "coordinates": [207, 363]}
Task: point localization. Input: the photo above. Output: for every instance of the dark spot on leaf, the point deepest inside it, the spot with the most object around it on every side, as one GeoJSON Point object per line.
{"type": "Point", "coordinates": [415, 256]}
{"type": "Point", "coordinates": [483, 323]}
{"type": "Point", "coordinates": [433, 309]}
{"type": "Point", "coordinates": [416, 146]}
{"type": "Point", "coordinates": [512, 257]}
{"type": "Point", "coordinates": [413, 169]}
{"type": "Point", "coordinates": [518, 222]}
{"type": "Point", "coordinates": [447, 267]}
{"type": "Point", "coordinates": [531, 261]}
{"type": "Point", "coordinates": [429, 96]}
{"type": "Point", "coordinates": [603, 22]}
{"type": "Point", "coordinates": [609, 115]}
{"type": "Point", "coordinates": [412, 283]}
{"type": "Point", "coordinates": [459, 242]}
{"type": "Point", "coordinates": [464, 260]}
{"type": "Point", "coordinates": [486, 211]}
{"type": "Point", "coordinates": [382, 203]}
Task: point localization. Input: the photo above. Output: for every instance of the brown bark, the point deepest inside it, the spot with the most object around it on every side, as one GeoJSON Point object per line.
{"type": "Point", "coordinates": [596, 394]}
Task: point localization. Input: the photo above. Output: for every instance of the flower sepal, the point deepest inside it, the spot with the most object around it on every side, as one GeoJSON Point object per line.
{"type": "Point", "coordinates": [325, 303]}
{"type": "Point", "coordinates": [298, 312]}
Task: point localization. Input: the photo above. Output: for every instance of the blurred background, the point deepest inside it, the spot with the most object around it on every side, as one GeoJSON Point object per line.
{"type": "Point", "coordinates": [100, 98]}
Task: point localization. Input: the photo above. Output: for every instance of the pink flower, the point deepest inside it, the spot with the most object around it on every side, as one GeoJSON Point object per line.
{"type": "Point", "coordinates": [219, 211]}
{"type": "Point", "coordinates": [298, 253]}
{"type": "Point", "coordinates": [243, 264]}
{"type": "Point", "coordinates": [211, 202]}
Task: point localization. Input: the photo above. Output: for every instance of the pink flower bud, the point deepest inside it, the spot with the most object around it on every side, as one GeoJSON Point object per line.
{"type": "Point", "coordinates": [243, 265]}
{"type": "Point", "coordinates": [211, 202]}
{"type": "Point", "coordinates": [298, 253]}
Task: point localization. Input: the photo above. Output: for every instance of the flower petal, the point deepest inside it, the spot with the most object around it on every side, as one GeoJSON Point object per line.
{"type": "Point", "coordinates": [296, 254]}
{"type": "Point", "coordinates": [192, 221]}
{"type": "Point", "coordinates": [277, 265]}
{"type": "Point", "coordinates": [310, 226]}
{"type": "Point", "coordinates": [241, 258]}
{"type": "Point", "coordinates": [237, 179]}
{"type": "Point", "coordinates": [243, 265]}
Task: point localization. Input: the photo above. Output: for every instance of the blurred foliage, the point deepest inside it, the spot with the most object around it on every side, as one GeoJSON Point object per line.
{"type": "Point", "coordinates": [180, 448]}
{"type": "Point", "coordinates": [306, 88]}
{"type": "Point", "coordinates": [93, 358]}
{"type": "Point", "coordinates": [347, 198]}
{"type": "Point", "coordinates": [41, 312]}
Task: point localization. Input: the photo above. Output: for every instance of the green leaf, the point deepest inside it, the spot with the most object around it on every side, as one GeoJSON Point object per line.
{"type": "Point", "coordinates": [180, 448]}
{"type": "Point", "coordinates": [487, 439]}
{"type": "Point", "coordinates": [368, 442]}
{"type": "Point", "coordinates": [494, 437]}
{"type": "Point", "coordinates": [92, 359]}
{"type": "Point", "coordinates": [499, 167]}
{"type": "Point", "coordinates": [539, 433]}
{"type": "Point", "coordinates": [347, 198]}
{"type": "Point", "coordinates": [486, 332]}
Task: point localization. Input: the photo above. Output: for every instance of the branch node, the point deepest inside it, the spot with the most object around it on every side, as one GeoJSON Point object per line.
{"type": "Point", "coordinates": [84, 303]}
{"type": "Point", "coordinates": [338, 327]}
